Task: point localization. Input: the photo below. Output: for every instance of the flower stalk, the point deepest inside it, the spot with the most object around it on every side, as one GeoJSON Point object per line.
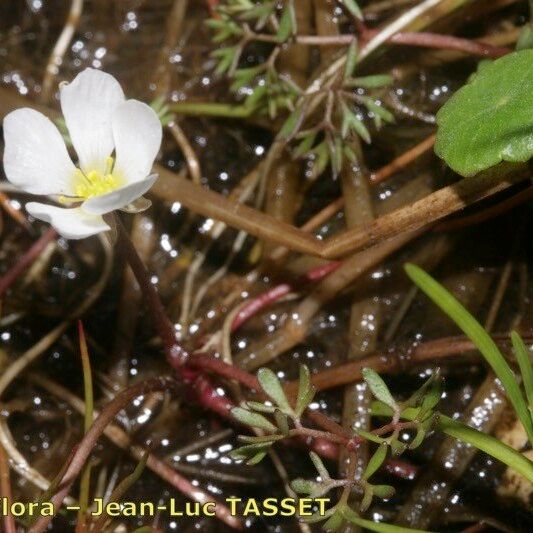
{"type": "Point", "coordinates": [175, 354]}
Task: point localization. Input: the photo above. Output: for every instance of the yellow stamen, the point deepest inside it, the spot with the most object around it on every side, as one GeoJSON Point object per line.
{"type": "Point", "coordinates": [95, 183]}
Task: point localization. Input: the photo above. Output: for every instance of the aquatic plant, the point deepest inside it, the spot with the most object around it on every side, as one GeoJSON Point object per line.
{"type": "Point", "coordinates": [297, 101]}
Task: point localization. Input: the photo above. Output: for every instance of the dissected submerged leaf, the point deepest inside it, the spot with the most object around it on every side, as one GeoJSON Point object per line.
{"type": "Point", "coordinates": [490, 119]}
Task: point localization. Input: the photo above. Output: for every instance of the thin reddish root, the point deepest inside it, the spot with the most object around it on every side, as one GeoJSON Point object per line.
{"type": "Point", "coordinates": [26, 260]}
{"type": "Point", "coordinates": [257, 304]}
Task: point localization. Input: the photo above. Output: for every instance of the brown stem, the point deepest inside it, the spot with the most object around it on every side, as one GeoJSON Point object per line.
{"type": "Point", "coordinates": [447, 42]}
{"type": "Point", "coordinates": [426, 211]}
{"type": "Point", "coordinates": [175, 354]}
{"type": "Point", "coordinates": [388, 363]}
{"type": "Point", "coordinates": [26, 260]}
{"type": "Point", "coordinates": [433, 207]}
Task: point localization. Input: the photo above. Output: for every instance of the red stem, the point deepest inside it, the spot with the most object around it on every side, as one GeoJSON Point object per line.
{"type": "Point", "coordinates": [26, 259]}
{"type": "Point", "coordinates": [255, 305]}
{"type": "Point", "coordinates": [175, 354]}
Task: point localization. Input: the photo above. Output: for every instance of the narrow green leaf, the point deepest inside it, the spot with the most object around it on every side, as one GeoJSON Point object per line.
{"type": "Point", "coordinates": [304, 146]}
{"type": "Point", "coordinates": [249, 451]}
{"type": "Point", "coordinates": [353, 8]}
{"type": "Point", "coordinates": [419, 438]}
{"type": "Point", "coordinates": [257, 458]}
{"type": "Point", "coordinates": [254, 420]}
{"type": "Point", "coordinates": [378, 111]}
{"type": "Point", "coordinates": [306, 391]}
{"type": "Point", "coordinates": [370, 436]}
{"type": "Point", "coordinates": [253, 99]}
{"type": "Point", "coordinates": [312, 488]}
{"type": "Point", "coordinates": [488, 444]}
{"type": "Point", "coordinates": [302, 486]}
{"type": "Point", "coordinates": [350, 154]}
{"type": "Point", "coordinates": [286, 24]}
{"type": "Point", "coordinates": [368, 495]}
{"type": "Point", "coordinates": [319, 465]}
{"type": "Point", "coordinates": [321, 158]}
{"type": "Point", "coordinates": [526, 368]}
{"type": "Point", "coordinates": [370, 82]}
{"type": "Point", "coordinates": [282, 422]}
{"type": "Point", "coordinates": [292, 124]}
{"type": "Point", "coordinates": [243, 76]}
{"type": "Point", "coordinates": [336, 152]}
{"type": "Point", "coordinates": [260, 407]}
{"type": "Point", "coordinates": [417, 396]}
{"type": "Point", "coordinates": [350, 121]}
{"type": "Point", "coordinates": [351, 59]}
{"type": "Point", "coordinates": [225, 56]}
{"type": "Point", "coordinates": [334, 522]}
{"type": "Point", "coordinates": [432, 398]}
{"type": "Point", "coordinates": [477, 334]}
{"type": "Point", "coordinates": [271, 385]}
{"type": "Point", "coordinates": [263, 439]}
{"type": "Point", "coordinates": [397, 447]}
{"type": "Point", "coordinates": [375, 461]}
{"type": "Point", "coordinates": [384, 491]}
{"type": "Point", "coordinates": [379, 388]}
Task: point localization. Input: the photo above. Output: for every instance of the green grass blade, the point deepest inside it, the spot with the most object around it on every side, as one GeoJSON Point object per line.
{"type": "Point", "coordinates": [488, 444]}
{"type": "Point", "coordinates": [477, 334]}
{"type": "Point", "coordinates": [526, 368]}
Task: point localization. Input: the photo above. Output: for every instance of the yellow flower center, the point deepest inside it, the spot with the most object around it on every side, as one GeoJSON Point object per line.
{"type": "Point", "coordinates": [94, 183]}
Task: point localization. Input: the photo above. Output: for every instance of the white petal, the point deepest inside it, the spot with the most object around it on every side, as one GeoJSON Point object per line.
{"type": "Point", "coordinates": [137, 131]}
{"type": "Point", "coordinates": [88, 103]}
{"type": "Point", "coordinates": [70, 223]}
{"type": "Point", "coordinates": [105, 203]}
{"type": "Point", "coordinates": [35, 156]}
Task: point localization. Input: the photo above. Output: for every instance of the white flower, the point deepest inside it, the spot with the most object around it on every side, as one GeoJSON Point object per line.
{"type": "Point", "coordinates": [116, 141]}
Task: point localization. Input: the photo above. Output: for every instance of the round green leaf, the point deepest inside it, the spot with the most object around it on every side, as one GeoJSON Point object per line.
{"type": "Point", "coordinates": [490, 119]}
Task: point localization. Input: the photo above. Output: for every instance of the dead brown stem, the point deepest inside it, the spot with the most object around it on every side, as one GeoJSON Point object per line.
{"type": "Point", "coordinates": [433, 207]}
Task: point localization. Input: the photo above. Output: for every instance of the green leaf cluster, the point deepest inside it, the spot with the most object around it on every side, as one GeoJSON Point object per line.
{"type": "Point", "coordinates": [279, 411]}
